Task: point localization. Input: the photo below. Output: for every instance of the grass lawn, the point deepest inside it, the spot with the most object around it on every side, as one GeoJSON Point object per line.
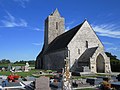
{"type": "Point", "coordinates": [6, 65]}
{"type": "Point", "coordinates": [82, 77]}
{"type": "Point", "coordinates": [24, 74]}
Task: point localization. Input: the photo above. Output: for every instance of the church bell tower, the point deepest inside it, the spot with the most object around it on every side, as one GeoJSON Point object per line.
{"type": "Point", "coordinates": [54, 26]}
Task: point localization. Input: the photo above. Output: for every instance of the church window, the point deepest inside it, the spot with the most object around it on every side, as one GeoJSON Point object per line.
{"type": "Point", "coordinates": [78, 51]}
{"type": "Point", "coordinates": [86, 44]}
{"type": "Point", "coordinates": [65, 62]}
{"type": "Point", "coordinates": [56, 25]}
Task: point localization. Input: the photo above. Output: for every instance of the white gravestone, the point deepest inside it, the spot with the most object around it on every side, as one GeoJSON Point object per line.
{"type": "Point", "coordinates": [27, 67]}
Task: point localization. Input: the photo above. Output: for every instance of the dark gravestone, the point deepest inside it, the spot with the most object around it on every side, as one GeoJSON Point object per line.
{"type": "Point", "coordinates": [75, 73]}
{"type": "Point", "coordinates": [91, 81]}
{"type": "Point", "coordinates": [13, 84]}
{"type": "Point", "coordinates": [74, 84]}
{"type": "Point", "coordinates": [118, 77]}
{"type": "Point", "coordinates": [94, 81]}
{"type": "Point", "coordinates": [42, 83]}
{"type": "Point", "coordinates": [116, 85]}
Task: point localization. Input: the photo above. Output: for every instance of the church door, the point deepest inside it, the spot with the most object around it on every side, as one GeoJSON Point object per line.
{"type": "Point", "coordinates": [100, 64]}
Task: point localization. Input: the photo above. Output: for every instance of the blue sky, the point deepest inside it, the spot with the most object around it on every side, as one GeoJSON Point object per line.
{"type": "Point", "coordinates": [22, 24]}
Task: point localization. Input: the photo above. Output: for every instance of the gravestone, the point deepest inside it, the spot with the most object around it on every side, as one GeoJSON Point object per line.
{"type": "Point", "coordinates": [3, 69]}
{"type": "Point", "coordinates": [18, 69]}
{"type": "Point", "coordinates": [118, 77]}
{"type": "Point", "coordinates": [27, 67]}
{"type": "Point", "coordinates": [42, 83]}
{"type": "Point", "coordinates": [91, 81]}
{"type": "Point", "coordinates": [28, 78]}
{"type": "Point", "coordinates": [9, 67]}
{"type": "Point", "coordinates": [23, 68]}
{"type": "Point", "coordinates": [86, 69]}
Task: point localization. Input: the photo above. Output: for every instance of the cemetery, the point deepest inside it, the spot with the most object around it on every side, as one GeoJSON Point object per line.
{"type": "Point", "coordinates": [26, 77]}
{"type": "Point", "coordinates": [53, 80]}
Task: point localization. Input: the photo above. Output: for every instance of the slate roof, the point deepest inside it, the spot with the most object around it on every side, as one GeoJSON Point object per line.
{"type": "Point", "coordinates": [63, 40]}
{"type": "Point", "coordinates": [87, 54]}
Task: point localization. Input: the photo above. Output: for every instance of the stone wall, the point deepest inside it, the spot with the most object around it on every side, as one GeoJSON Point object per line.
{"type": "Point", "coordinates": [55, 61]}
{"type": "Point", "coordinates": [54, 26]}
{"type": "Point", "coordinates": [100, 51]}
{"type": "Point", "coordinates": [85, 33]}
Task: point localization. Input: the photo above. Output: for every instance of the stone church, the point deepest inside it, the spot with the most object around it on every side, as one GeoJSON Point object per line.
{"type": "Point", "coordinates": [80, 45]}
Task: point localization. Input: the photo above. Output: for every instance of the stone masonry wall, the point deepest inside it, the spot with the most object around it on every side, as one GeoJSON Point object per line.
{"type": "Point", "coordinates": [106, 61]}
{"type": "Point", "coordinates": [55, 61]}
{"type": "Point", "coordinates": [84, 34]}
{"type": "Point", "coordinates": [54, 26]}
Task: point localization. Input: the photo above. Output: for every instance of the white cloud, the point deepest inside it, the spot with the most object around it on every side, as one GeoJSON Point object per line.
{"type": "Point", "coordinates": [37, 29]}
{"type": "Point", "coordinates": [107, 43]}
{"type": "Point", "coordinates": [115, 50]}
{"type": "Point", "coordinates": [11, 21]}
{"type": "Point", "coordinates": [112, 48]}
{"type": "Point", "coordinates": [67, 28]}
{"type": "Point", "coordinates": [69, 24]}
{"type": "Point", "coordinates": [34, 28]}
{"type": "Point", "coordinates": [109, 30]}
{"type": "Point", "coordinates": [37, 44]}
{"type": "Point", "coordinates": [22, 2]}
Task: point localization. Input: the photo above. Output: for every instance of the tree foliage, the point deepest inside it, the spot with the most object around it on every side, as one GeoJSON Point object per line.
{"type": "Point", "coordinates": [32, 62]}
{"type": "Point", "coordinates": [5, 61]}
{"type": "Point", "coordinates": [115, 63]}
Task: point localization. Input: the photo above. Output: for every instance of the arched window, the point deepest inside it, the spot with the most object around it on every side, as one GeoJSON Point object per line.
{"type": "Point", "coordinates": [56, 25]}
{"type": "Point", "coordinates": [86, 44]}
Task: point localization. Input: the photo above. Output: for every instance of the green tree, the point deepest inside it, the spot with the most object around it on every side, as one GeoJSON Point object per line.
{"type": "Point", "coordinates": [5, 61]}
{"type": "Point", "coordinates": [115, 63]}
